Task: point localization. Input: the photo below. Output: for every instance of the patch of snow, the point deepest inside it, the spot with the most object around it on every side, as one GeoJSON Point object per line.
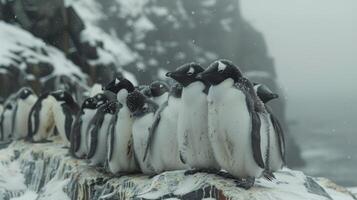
{"type": "Point", "coordinates": [19, 45]}
{"type": "Point", "coordinates": [28, 195]}
{"type": "Point", "coordinates": [54, 190]}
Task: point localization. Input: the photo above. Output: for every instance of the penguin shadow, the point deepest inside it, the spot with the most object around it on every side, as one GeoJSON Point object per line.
{"type": "Point", "coordinates": [245, 183]}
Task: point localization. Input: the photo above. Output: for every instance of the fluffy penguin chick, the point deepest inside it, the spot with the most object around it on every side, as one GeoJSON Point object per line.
{"type": "Point", "coordinates": [144, 111]}
{"type": "Point", "coordinates": [120, 157]}
{"type": "Point", "coordinates": [192, 129]}
{"type": "Point", "coordinates": [164, 129]}
{"type": "Point", "coordinates": [25, 100]}
{"type": "Point", "coordinates": [64, 111]}
{"type": "Point", "coordinates": [234, 124]}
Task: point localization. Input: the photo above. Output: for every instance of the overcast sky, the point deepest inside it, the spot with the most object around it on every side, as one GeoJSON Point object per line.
{"type": "Point", "coordinates": [314, 43]}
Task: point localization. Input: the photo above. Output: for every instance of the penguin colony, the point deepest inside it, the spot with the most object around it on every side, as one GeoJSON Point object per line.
{"type": "Point", "coordinates": [210, 120]}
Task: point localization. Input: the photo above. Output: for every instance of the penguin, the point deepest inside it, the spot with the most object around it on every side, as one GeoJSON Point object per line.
{"type": "Point", "coordinates": [25, 100]}
{"type": "Point", "coordinates": [272, 131]}
{"type": "Point", "coordinates": [159, 92]}
{"type": "Point", "coordinates": [192, 129]}
{"type": "Point", "coordinates": [121, 157]}
{"type": "Point", "coordinates": [264, 93]}
{"type": "Point", "coordinates": [98, 131]}
{"type": "Point", "coordinates": [7, 119]}
{"type": "Point", "coordinates": [234, 122]}
{"type": "Point", "coordinates": [64, 111]}
{"type": "Point", "coordinates": [78, 139]}
{"type": "Point", "coordinates": [163, 134]}
{"type": "Point", "coordinates": [143, 110]}
{"type": "Point", "coordinates": [79, 133]}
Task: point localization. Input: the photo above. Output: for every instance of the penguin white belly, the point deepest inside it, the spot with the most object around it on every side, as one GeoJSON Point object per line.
{"type": "Point", "coordinates": [86, 118]}
{"type": "Point", "coordinates": [101, 146]}
{"type": "Point", "coordinates": [193, 141]}
{"type": "Point", "coordinates": [166, 138]}
{"type": "Point", "coordinates": [46, 121]}
{"type": "Point", "coordinates": [275, 159]}
{"type": "Point", "coordinates": [264, 135]}
{"type": "Point", "coordinates": [161, 99]}
{"type": "Point", "coordinates": [123, 159]}
{"type": "Point", "coordinates": [60, 120]}
{"type": "Point", "coordinates": [21, 120]}
{"type": "Point", "coordinates": [230, 131]}
{"type": "Point", "coordinates": [140, 138]}
{"type": "Point", "coordinates": [7, 124]}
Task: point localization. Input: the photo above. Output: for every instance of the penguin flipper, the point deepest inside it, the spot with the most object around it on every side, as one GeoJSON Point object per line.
{"type": "Point", "coordinates": [96, 122]}
{"type": "Point", "coordinates": [68, 120]}
{"type": "Point", "coordinates": [75, 137]}
{"type": "Point", "coordinates": [257, 151]}
{"type": "Point", "coordinates": [279, 133]}
{"type": "Point", "coordinates": [152, 129]}
{"type": "Point", "coordinates": [111, 136]}
{"type": "Point", "coordinates": [1, 127]}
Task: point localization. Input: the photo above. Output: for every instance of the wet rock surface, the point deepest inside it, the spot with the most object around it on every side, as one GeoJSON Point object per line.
{"type": "Point", "coordinates": [46, 171]}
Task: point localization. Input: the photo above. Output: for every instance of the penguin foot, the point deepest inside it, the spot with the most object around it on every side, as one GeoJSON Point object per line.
{"type": "Point", "coordinates": [226, 175]}
{"type": "Point", "coordinates": [245, 183]}
{"type": "Point", "coordinates": [195, 171]}
{"type": "Point", "coordinates": [268, 175]}
{"type": "Point", "coordinates": [42, 141]}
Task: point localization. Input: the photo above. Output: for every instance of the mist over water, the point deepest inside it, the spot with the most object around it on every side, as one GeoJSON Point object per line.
{"type": "Point", "coordinates": [314, 47]}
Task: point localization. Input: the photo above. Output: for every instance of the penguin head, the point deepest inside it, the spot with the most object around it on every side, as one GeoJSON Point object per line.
{"type": "Point", "coordinates": [90, 103]}
{"type": "Point", "coordinates": [118, 84]}
{"type": "Point", "coordinates": [264, 93]}
{"type": "Point", "coordinates": [186, 74]}
{"type": "Point", "coordinates": [135, 101]}
{"type": "Point", "coordinates": [62, 96]}
{"type": "Point", "coordinates": [158, 88]}
{"type": "Point", "coordinates": [100, 99]}
{"type": "Point", "coordinates": [24, 93]}
{"type": "Point", "coordinates": [219, 71]}
{"type": "Point", "coordinates": [176, 90]}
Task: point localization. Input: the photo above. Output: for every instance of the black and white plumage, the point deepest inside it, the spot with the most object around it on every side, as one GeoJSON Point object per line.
{"type": "Point", "coordinates": [120, 156]}
{"type": "Point", "coordinates": [98, 130]}
{"type": "Point", "coordinates": [25, 99]}
{"type": "Point", "coordinates": [163, 134]}
{"type": "Point", "coordinates": [41, 121]}
{"type": "Point", "coordinates": [192, 129]}
{"type": "Point", "coordinates": [143, 110]}
{"type": "Point", "coordinates": [64, 111]}
{"type": "Point", "coordinates": [264, 93]}
{"type": "Point", "coordinates": [79, 139]}
{"type": "Point", "coordinates": [237, 121]}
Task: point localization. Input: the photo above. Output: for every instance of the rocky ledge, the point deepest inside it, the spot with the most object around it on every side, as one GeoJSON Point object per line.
{"type": "Point", "coordinates": [46, 171]}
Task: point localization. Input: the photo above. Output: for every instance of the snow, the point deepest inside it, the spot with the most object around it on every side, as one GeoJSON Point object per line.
{"type": "Point", "coordinates": [19, 46]}
{"type": "Point", "coordinates": [28, 195]}
{"type": "Point", "coordinates": [47, 164]}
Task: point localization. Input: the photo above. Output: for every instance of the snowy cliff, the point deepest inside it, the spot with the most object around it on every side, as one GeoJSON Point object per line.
{"type": "Point", "coordinates": [46, 171]}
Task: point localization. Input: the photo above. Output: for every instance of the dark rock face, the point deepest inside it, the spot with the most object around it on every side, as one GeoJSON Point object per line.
{"type": "Point", "coordinates": [47, 171]}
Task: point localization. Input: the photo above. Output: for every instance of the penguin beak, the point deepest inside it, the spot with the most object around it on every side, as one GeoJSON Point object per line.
{"type": "Point", "coordinates": [168, 74]}
{"type": "Point", "coordinates": [274, 96]}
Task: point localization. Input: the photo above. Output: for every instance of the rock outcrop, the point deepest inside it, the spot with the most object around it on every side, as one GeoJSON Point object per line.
{"type": "Point", "coordinates": [46, 171]}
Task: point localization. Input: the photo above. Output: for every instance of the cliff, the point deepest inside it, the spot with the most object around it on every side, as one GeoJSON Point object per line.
{"type": "Point", "coordinates": [46, 171]}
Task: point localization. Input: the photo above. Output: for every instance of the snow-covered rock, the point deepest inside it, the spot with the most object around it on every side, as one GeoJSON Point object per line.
{"type": "Point", "coordinates": [27, 60]}
{"type": "Point", "coordinates": [46, 171]}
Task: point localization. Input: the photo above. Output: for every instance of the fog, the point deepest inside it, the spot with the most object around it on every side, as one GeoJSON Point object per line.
{"type": "Point", "coordinates": [314, 47]}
